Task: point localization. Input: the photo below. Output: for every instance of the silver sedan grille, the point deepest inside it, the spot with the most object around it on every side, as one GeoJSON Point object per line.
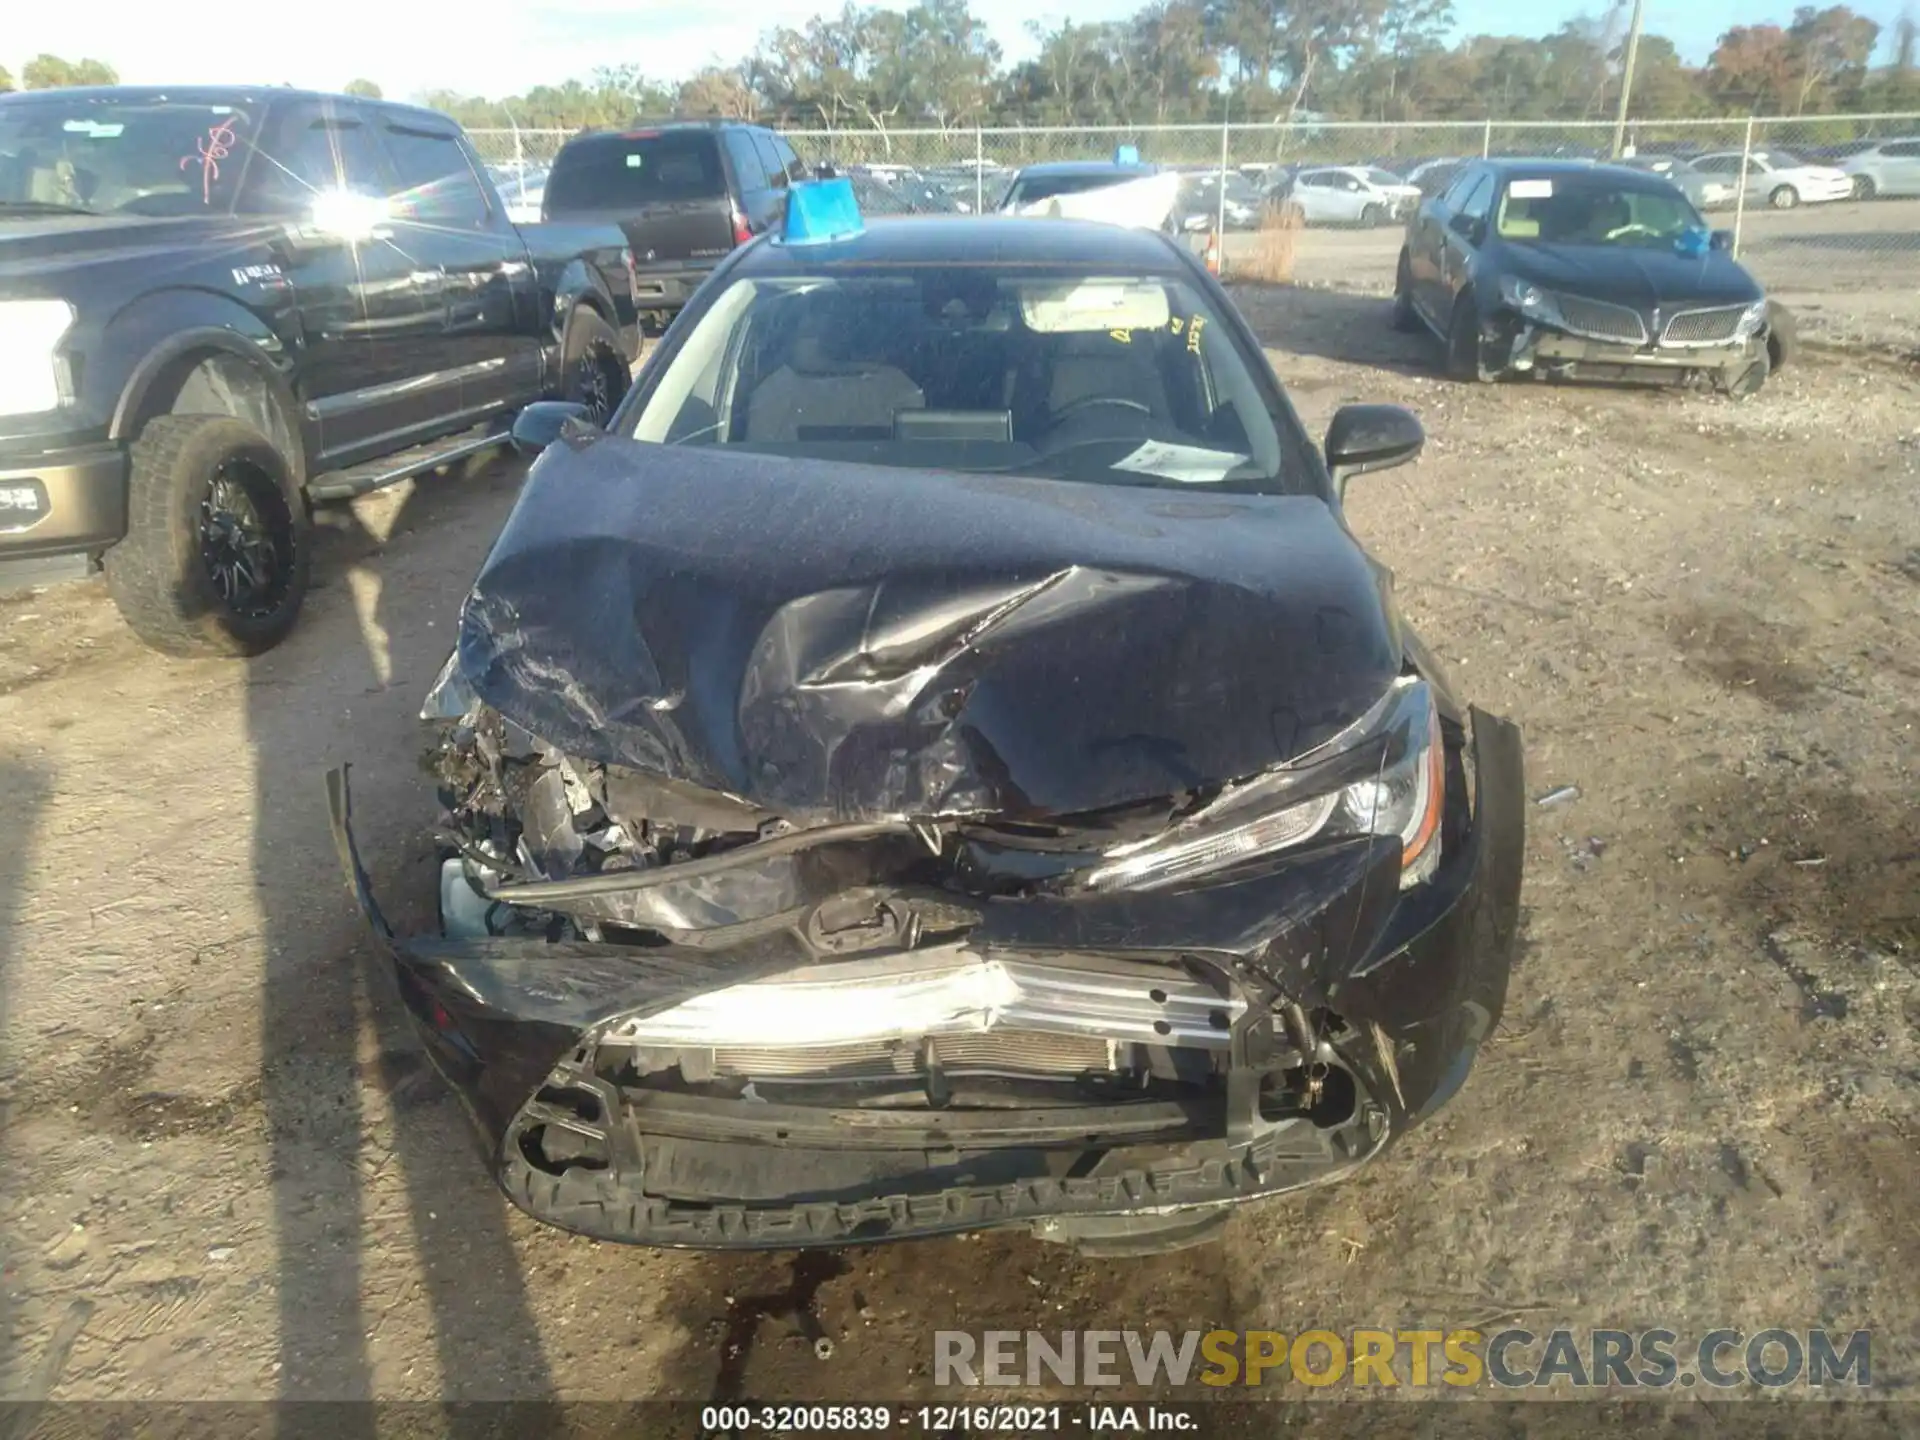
{"type": "Point", "coordinates": [1597, 320]}
{"type": "Point", "coordinates": [1704, 327]}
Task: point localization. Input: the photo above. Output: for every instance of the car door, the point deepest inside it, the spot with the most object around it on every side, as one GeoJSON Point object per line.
{"type": "Point", "coordinates": [483, 355]}
{"type": "Point", "coordinates": [1350, 197]}
{"type": "Point", "coordinates": [1900, 164]}
{"type": "Point", "coordinates": [1465, 234]}
{"type": "Point", "coordinates": [359, 306]}
{"type": "Point", "coordinates": [1427, 247]}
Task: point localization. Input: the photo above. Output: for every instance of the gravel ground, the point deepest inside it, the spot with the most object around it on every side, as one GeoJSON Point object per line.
{"type": "Point", "coordinates": [226, 1172]}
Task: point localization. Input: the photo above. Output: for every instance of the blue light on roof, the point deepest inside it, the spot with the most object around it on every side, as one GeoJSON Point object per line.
{"type": "Point", "coordinates": [819, 211]}
{"type": "Point", "coordinates": [1127, 155]}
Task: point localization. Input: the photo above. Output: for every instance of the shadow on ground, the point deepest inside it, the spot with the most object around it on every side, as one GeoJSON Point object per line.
{"type": "Point", "coordinates": [1344, 325]}
{"type": "Point", "coordinates": [346, 687]}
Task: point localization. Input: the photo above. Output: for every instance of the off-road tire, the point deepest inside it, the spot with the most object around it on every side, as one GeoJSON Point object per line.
{"type": "Point", "coordinates": [1463, 343]}
{"type": "Point", "coordinates": [594, 370]}
{"type": "Point", "coordinates": [160, 575]}
{"type": "Point", "coordinates": [1405, 318]}
{"type": "Point", "coordinates": [1784, 198]}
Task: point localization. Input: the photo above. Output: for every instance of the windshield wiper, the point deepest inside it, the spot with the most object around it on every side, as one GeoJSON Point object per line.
{"type": "Point", "coordinates": [44, 207]}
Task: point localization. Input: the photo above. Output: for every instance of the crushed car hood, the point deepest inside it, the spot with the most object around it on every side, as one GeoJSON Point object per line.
{"type": "Point", "coordinates": [1638, 277]}
{"type": "Point", "coordinates": [842, 642]}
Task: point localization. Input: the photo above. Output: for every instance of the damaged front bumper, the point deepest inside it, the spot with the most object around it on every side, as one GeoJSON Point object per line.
{"type": "Point", "coordinates": [1513, 345]}
{"type": "Point", "coordinates": [1047, 1060]}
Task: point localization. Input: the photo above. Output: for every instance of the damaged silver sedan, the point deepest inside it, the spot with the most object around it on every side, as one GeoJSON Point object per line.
{"type": "Point", "coordinates": [940, 761]}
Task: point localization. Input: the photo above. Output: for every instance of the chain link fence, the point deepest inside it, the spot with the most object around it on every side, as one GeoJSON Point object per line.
{"type": "Point", "coordinates": [1825, 210]}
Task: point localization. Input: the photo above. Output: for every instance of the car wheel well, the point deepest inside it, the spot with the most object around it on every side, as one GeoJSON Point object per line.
{"type": "Point", "coordinates": [213, 382]}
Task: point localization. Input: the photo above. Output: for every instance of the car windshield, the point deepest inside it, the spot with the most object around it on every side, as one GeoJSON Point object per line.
{"type": "Point", "coordinates": [1778, 159]}
{"type": "Point", "coordinates": [1240, 189]}
{"type": "Point", "coordinates": [1125, 379]}
{"type": "Point", "coordinates": [1384, 179]}
{"type": "Point", "coordinates": [139, 158]}
{"type": "Point", "coordinates": [1590, 211]}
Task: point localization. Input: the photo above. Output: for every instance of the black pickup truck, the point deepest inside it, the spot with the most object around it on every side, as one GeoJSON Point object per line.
{"type": "Point", "coordinates": [219, 307]}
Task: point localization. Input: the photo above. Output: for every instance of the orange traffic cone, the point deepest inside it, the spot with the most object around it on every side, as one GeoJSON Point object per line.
{"type": "Point", "coordinates": [1213, 252]}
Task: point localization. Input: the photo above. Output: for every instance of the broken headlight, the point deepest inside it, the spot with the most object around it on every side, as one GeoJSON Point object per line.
{"type": "Point", "coordinates": [450, 696]}
{"type": "Point", "coordinates": [1530, 300]}
{"type": "Point", "coordinates": [1384, 775]}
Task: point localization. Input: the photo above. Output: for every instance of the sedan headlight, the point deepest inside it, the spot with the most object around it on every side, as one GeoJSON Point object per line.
{"type": "Point", "coordinates": [1529, 299]}
{"type": "Point", "coordinates": [1751, 320]}
{"type": "Point", "coordinates": [1385, 775]}
{"type": "Point", "coordinates": [30, 334]}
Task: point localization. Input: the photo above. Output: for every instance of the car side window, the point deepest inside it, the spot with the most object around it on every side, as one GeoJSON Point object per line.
{"type": "Point", "coordinates": [770, 158]}
{"type": "Point", "coordinates": [1479, 202]}
{"type": "Point", "coordinates": [1902, 150]}
{"type": "Point", "coordinates": [1348, 182]}
{"type": "Point", "coordinates": [796, 167]}
{"type": "Point", "coordinates": [1455, 193]}
{"type": "Point", "coordinates": [434, 181]}
{"type": "Point", "coordinates": [749, 170]}
{"type": "Point", "coordinates": [311, 149]}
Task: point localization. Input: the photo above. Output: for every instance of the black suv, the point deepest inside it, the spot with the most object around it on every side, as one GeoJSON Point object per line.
{"type": "Point", "coordinates": [685, 191]}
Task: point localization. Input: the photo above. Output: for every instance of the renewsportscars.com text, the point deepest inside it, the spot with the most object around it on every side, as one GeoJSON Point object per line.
{"type": "Point", "coordinates": [1507, 1359]}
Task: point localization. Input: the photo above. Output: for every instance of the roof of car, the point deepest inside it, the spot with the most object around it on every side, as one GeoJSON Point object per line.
{"type": "Point", "coordinates": [981, 240]}
{"type": "Point", "coordinates": [204, 95]}
{"type": "Point", "coordinates": [1088, 167]}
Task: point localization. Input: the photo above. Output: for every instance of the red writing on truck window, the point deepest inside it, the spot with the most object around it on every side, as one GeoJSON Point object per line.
{"type": "Point", "coordinates": [209, 150]}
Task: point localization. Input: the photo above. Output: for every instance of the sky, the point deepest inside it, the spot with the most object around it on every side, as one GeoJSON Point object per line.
{"type": "Point", "coordinates": [500, 47]}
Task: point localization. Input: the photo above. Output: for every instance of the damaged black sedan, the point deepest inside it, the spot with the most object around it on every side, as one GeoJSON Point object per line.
{"type": "Point", "coordinates": [940, 760]}
{"type": "Point", "coordinates": [1568, 270]}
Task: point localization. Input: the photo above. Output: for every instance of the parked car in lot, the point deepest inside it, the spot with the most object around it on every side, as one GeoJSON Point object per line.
{"type": "Point", "coordinates": [1349, 195]}
{"type": "Point", "coordinates": [686, 192]}
{"type": "Point", "coordinates": [1579, 271]}
{"type": "Point", "coordinates": [521, 189]}
{"type": "Point", "coordinates": [1887, 168]}
{"type": "Point", "coordinates": [219, 306]}
{"type": "Point", "coordinates": [1121, 191]}
{"type": "Point", "coordinates": [1779, 177]}
{"type": "Point", "coordinates": [1705, 192]}
{"type": "Point", "coordinates": [1200, 206]}
{"type": "Point", "coordinates": [1430, 177]}
{"type": "Point", "coordinates": [941, 760]}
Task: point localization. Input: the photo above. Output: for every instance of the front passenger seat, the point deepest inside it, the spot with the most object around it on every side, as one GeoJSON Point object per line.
{"type": "Point", "coordinates": [814, 395]}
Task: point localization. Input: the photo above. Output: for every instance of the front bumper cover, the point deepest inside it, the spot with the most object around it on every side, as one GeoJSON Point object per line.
{"type": "Point", "coordinates": [1418, 980]}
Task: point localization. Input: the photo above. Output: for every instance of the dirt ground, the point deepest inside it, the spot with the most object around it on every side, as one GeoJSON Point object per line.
{"type": "Point", "coordinates": [225, 1170]}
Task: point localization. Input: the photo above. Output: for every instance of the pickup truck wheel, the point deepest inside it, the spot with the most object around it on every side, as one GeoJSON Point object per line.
{"type": "Point", "coordinates": [216, 553]}
{"type": "Point", "coordinates": [595, 371]}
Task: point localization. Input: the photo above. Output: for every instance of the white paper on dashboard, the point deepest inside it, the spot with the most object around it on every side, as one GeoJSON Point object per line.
{"type": "Point", "coordinates": [1188, 464]}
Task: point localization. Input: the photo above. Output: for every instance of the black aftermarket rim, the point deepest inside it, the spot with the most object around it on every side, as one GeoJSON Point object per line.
{"type": "Point", "coordinates": [246, 540]}
{"type": "Point", "coordinates": [592, 385]}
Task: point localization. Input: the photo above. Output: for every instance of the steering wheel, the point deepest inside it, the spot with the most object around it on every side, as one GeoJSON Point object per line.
{"type": "Point", "coordinates": [1074, 407]}
{"type": "Point", "coordinates": [1634, 229]}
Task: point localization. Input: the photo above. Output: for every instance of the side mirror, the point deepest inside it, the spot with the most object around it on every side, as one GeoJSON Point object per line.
{"type": "Point", "coordinates": [1364, 438]}
{"type": "Point", "coordinates": [1722, 240]}
{"type": "Point", "coordinates": [545, 421]}
{"type": "Point", "coordinates": [1467, 228]}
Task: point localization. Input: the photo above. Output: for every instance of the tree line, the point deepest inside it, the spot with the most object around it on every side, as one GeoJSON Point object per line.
{"type": "Point", "coordinates": [935, 64]}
